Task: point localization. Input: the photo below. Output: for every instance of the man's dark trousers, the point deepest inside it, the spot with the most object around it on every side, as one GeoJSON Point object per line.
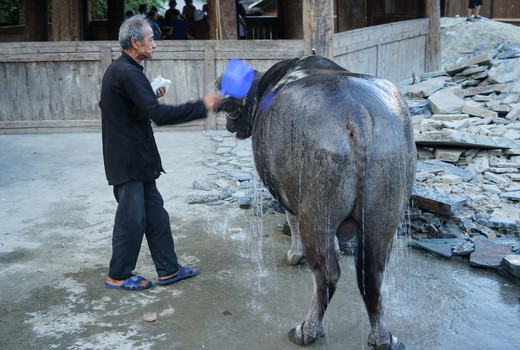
{"type": "Point", "coordinates": [140, 211]}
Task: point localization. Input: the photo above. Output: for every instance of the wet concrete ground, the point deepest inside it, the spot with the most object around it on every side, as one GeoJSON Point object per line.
{"type": "Point", "coordinates": [56, 214]}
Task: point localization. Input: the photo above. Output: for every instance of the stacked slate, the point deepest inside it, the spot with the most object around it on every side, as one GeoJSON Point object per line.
{"type": "Point", "coordinates": [466, 121]}
{"type": "Point", "coordinates": [510, 268]}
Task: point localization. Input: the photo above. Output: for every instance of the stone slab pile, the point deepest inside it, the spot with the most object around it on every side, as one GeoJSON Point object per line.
{"type": "Point", "coordinates": [466, 121]}
{"type": "Point", "coordinates": [510, 268]}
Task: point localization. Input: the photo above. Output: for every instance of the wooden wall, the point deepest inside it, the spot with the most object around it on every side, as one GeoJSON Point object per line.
{"type": "Point", "coordinates": [382, 12]}
{"type": "Point", "coordinates": [355, 14]}
{"type": "Point", "coordinates": [55, 86]}
{"type": "Point", "coordinates": [392, 51]}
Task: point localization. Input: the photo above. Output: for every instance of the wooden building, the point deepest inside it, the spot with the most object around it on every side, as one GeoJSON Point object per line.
{"type": "Point", "coordinates": [71, 19]}
{"type": "Point", "coordinates": [63, 63]}
{"type": "Point", "coordinates": [65, 73]}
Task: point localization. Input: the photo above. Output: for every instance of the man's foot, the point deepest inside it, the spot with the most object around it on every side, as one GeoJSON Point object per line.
{"type": "Point", "coordinates": [170, 276]}
{"type": "Point", "coordinates": [470, 19]}
{"type": "Point", "coordinates": [118, 283]}
{"type": "Point", "coordinates": [477, 17]}
{"type": "Point", "coordinates": [184, 272]}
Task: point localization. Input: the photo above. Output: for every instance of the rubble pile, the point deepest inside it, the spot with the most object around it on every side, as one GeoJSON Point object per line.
{"type": "Point", "coordinates": [466, 121]}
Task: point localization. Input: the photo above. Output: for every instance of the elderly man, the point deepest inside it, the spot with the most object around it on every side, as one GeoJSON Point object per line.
{"type": "Point", "coordinates": [132, 161]}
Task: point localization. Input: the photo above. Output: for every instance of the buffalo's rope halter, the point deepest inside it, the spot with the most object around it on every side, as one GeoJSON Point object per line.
{"type": "Point", "coordinates": [240, 112]}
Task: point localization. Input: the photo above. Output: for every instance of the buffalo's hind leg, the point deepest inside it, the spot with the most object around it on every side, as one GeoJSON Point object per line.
{"type": "Point", "coordinates": [295, 255]}
{"type": "Point", "coordinates": [374, 247]}
{"type": "Point", "coordinates": [320, 252]}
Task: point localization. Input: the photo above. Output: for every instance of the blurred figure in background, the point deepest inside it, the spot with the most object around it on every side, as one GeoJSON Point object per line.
{"type": "Point", "coordinates": [199, 28]}
{"type": "Point", "coordinates": [241, 23]}
{"type": "Point", "coordinates": [176, 26]}
{"type": "Point", "coordinates": [188, 11]}
{"type": "Point", "coordinates": [143, 9]}
{"type": "Point", "coordinates": [152, 18]}
{"type": "Point", "coordinates": [475, 6]}
{"type": "Point", "coordinates": [160, 19]}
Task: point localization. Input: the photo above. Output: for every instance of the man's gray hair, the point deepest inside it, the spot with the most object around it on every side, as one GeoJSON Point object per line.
{"type": "Point", "coordinates": [132, 28]}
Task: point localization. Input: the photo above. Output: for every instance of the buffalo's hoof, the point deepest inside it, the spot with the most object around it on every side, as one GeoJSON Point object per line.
{"type": "Point", "coordinates": [395, 344]}
{"type": "Point", "coordinates": [294, 259]}
{"type": "Point", "coordinates": [299, 337]}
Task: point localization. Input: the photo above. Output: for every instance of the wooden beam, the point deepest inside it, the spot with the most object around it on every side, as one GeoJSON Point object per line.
{"type": "Point", "coordinates": [66, 20]}
{"type": "Point", "coordinates": [433, 52]}
{"type": "Point", "coordinates": [116, 16]}
{"type": "Point", "coordinates": [36, 20]}
{"type": "Point", "coordinates": [209, 79]}
{"type": "Point", "coordinates": [222, 20]}
{"type": "Point", "coordinates": [318, 27]}
{"type": "Point", "coordinates": [86, 18]}
{"type": "Point", "coordinates": [351, 14]}
{"type": "Point", "coordinates": [291, 18]}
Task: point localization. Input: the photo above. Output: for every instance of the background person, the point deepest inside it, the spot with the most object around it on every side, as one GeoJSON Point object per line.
{"type": "Point", "coordinates": [475, 6]}
{"type": "Point", "coordinates": [198, 29]}
{"type": "Point", "coordinates": [152, 19]}
{"type": "Point", "coordinates": [188, 11]}
{"type": "Point", "coordinates": [160, 19]}
{"type": "Point", "coordinates": [143, 9]}
{"type": "Point", "coordinates": [176, 26]}
{"type": "Point", "coordinates": [132, 161]}
{"type": "Point", "coordinates": [241, 23]}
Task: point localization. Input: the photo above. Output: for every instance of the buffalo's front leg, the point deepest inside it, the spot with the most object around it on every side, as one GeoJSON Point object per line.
{"type": "Point", "coordinates": [295, 254]}
{"type": "Point", "coordinates": [321, 257]}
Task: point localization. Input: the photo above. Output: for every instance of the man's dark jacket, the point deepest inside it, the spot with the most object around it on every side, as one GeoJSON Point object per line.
{"type": "Point", "coordinates": [128, 104]}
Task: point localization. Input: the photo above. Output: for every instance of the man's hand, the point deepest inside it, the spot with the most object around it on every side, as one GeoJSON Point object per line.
{"type": "Point", "coordinates": [160, 92]}
{"type": "Point", "coordinates": [212, 101]}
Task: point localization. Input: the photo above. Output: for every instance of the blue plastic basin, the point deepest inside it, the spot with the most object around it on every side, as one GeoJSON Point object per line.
{"type": "Point", "coordinates": [237, 79]}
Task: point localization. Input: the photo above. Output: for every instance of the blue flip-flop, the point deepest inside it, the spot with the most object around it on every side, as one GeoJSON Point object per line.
{"type": "Point", "coordinates": [184, 272]}
{"type": "Point", "coordinates": [131, 283]}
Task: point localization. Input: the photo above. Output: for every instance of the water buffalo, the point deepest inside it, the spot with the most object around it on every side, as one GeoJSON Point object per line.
{"type": "Point", "coordinates": [336, 149]}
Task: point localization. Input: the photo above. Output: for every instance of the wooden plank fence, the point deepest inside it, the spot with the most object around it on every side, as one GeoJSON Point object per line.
{"type": "Point", "coordinates": [55, 86]}
{"type": "Point", "coordinates": [392, 51]}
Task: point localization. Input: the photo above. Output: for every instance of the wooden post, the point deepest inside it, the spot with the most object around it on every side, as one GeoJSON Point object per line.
{"type": "Point", "coordinates": [292, 19]}
{"type": "Point", "coordinates": [434, 36]}
{"type": "Point", "coordinates": [222, 20]}
{"type": "Point", "coordinates": [318, 26]}
{"type": "Point", "coordinates": [351, 14]}
{"type": "Point", "coordinates": [116, 16]}
{"type": "Point", "coordinates": [36, 21]}
{"type": "Point", "coordinates": [86, 18]}
{"type": "Point", "coordinates": [66, 20]}
{"type": "Point", "coordinates": [209, 79]}
{"type": "Point", "coordinates": [212, 20]}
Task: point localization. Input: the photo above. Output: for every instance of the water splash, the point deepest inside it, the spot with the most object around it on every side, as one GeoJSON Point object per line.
{"type": "Point", "coordinates": [395, 293]}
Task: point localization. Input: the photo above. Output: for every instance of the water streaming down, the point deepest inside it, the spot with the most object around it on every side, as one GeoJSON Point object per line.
{"type": "Point", "coordinates": [397, 265]}
{"type": "Point", "coordinates": [428, 301]}
{"type": "Point", "coordinates": [396, 262]}
{"type": "Point", "coordinates": [255, 241]}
